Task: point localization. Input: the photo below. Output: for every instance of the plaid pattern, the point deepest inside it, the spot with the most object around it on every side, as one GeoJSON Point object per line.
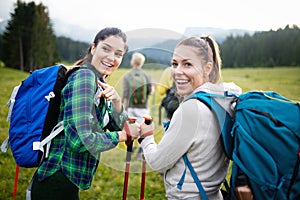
{"type": "Point", "coordinates": [76, 152]}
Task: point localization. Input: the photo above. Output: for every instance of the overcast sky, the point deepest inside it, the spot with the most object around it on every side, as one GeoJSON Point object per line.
{"type": "Point", "coordinates": [173, 15]}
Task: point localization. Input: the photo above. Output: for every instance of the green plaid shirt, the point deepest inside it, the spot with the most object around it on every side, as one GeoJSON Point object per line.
{"type": "Point", "coordinates": [76, 152]}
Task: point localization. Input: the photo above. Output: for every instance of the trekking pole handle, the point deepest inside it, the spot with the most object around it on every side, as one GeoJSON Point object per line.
{"type": "Point", "coordinates": [132, 120]}
{"type": "Point", "coordinates": [148, 119]}
{"type": "Point", "coordinates": [129, 141]}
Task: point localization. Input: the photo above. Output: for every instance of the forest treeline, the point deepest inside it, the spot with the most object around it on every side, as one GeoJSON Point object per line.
{"type": "Point", "coordinates": [29, 42]}
{"type": "Point", "coordinates": [269, 48]}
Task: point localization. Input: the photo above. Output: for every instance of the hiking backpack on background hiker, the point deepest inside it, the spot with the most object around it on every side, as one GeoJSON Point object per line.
{"type": "Point", "coordinates": [33, 115]}
{"type": "Point", "coordinates": [138, 87]}
{"type": "Point", "coordinates": [262, 139]}
{"type": "Point", "coordinates": [170, 102]}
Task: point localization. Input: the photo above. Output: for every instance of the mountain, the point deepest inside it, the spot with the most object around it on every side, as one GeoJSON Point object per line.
{"type": "Point", "coordinates": [150, 37]}
{"type": "Point", "coordinates": [141, 38]}
{"type": "Point", "coordinates": [156, 44]}
{"type": "Point", "coordinates": [217, 33]}
{"type": "Point", "coordinates": [147, 37]}
{"type": "Point", "coordinates": [137, 39]}
{"type": "Point", "coordinates": [74, 32]}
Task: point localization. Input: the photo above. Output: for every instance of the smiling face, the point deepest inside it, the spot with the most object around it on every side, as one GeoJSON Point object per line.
{"type": "Point", "coordinates": [188, 69]}
{"type": "Point", "coordinates": [108, 54]}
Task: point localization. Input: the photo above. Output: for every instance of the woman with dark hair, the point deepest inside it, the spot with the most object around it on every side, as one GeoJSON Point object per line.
{"type": "Point", "coordinates": [93, 118]}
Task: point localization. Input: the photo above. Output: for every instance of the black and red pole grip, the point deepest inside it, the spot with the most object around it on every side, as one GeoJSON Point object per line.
{"type": "Point", "coordinates": [148, 119]}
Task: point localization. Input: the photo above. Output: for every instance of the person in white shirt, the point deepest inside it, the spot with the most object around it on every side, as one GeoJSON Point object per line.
{"type": "Point", "coordinates": [193, 129]}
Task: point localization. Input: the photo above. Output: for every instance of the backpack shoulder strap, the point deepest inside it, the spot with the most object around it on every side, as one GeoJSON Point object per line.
{"type": "Point", "coordinates": [195, 177]}
{"type": "Point", "coordinates": [225, 121]}
{"type": "Point", "coordinates": [211, 103]}
{"type": "Point", "coordinates": [39, 145]}
{"type": "Point", "coordinates": [5, 145]}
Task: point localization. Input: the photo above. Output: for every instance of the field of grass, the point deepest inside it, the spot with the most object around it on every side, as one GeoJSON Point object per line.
{"type": "Point", "coordinates": [108, 181]}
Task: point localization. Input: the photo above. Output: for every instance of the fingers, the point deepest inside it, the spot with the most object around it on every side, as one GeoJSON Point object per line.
{"type": "Point", "coordinates": [108, 92]}
{"type": "Point", "coordinates": [107, 89]}
{"type": "Point", "coordinates": [147, 130]}
{"type": "Point", "coordinates": [132, 129]}
{"type": "Point", "coordinates": [135, 130]}
{"type": "Point", "coordinates": [103, 85]}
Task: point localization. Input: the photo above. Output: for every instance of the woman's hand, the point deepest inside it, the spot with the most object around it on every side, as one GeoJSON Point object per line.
{"type": "Point", "coordinates": [132, 129]}
{"type": "Point", "coordinates": [122, 136]}
{"type": "Point", "coordinates": [111, 94]}
{"type": "Point", "coordinates": [147, 130]}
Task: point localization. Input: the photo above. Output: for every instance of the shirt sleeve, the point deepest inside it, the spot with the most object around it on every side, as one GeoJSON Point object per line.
{"type": "Point", "coordinates": [78, 119]}
{"type": "Point", "coordinates": [186, 126]}
{"type": "Point", "coordinates": [116, 120]}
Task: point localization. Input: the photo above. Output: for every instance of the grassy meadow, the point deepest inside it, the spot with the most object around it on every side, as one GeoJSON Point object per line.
{"type": "Point", "coordinates": [108, 181]}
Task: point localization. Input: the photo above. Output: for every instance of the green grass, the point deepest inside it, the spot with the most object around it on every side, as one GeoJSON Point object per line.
{"type": "Point", "coordinates": [284, 80]}
{"type": "Point", "coordinates": [108, 181]}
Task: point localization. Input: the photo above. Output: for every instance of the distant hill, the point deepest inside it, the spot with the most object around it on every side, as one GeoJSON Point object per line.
{"type": "Point", "coordinates": [147, 37]}
{"type": "Point", "coordinates": [156, 44]}
{"type": "Point", "coordinates": [74, 32]}
{"type": "Point", "coordinates": [218, 33]}
{"type": "Point", "coordinates": [141, 38]}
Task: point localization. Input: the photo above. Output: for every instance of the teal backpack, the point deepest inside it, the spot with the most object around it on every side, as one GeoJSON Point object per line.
{"type": "Point", "coordinates": [262, 139]}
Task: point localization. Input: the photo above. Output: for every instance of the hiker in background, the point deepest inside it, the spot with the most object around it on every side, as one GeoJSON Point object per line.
{"type": "Point", "coordinates": [136, 90]}
{"type": "Point", "coordinates": [193, 130]}
{"type": "Point", "coordinates": [89, 129]}
{"type": "Point", "coordinates": [171, 99]}
{"type": "Point", "coordinates": [165, 82]}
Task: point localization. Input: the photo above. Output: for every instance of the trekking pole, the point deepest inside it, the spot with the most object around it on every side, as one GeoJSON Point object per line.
{"type": "Point", "coordinates": [16, 182]}
{"type": "Point", "coordinates": [129, 144]}
{"type": "Point", "coordinates": [148, 121]}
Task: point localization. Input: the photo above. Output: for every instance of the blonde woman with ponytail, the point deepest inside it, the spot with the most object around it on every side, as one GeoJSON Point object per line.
{"type": "Point", "coordinates": [193, 129]}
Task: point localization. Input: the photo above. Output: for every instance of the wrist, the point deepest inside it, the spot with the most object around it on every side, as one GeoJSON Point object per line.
{"type": "Point", "coordinates": [117, 104]}
{"type": "Point", "coordinates": [122, 136]}
{"type": "Point", "coordinates": [147, 134]}
{"type": "Point", "coordinates": [144, 136]}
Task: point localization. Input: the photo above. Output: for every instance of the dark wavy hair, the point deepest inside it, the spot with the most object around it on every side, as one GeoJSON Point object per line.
{"type": "Point", "coordinates": [102, 35]}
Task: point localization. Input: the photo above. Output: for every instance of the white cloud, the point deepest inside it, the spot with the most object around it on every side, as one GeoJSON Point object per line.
{"type": "Point", "coordinates": [173, 15]}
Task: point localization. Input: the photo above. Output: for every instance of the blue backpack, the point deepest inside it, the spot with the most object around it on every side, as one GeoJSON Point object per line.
{"type": "Point", "coordinates": [262, 139]}
{"type": "Point", "coordinates": [33, 115]}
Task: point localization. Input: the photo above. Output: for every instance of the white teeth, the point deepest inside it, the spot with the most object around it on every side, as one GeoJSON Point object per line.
{"type": "Point", "coordinates": [107, 64]}
{"type": "Point", "coordinates": [182, 81]}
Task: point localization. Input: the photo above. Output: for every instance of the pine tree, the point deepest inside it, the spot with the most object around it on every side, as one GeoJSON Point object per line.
{"type": "Point", "coordinates": [29, 41]}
